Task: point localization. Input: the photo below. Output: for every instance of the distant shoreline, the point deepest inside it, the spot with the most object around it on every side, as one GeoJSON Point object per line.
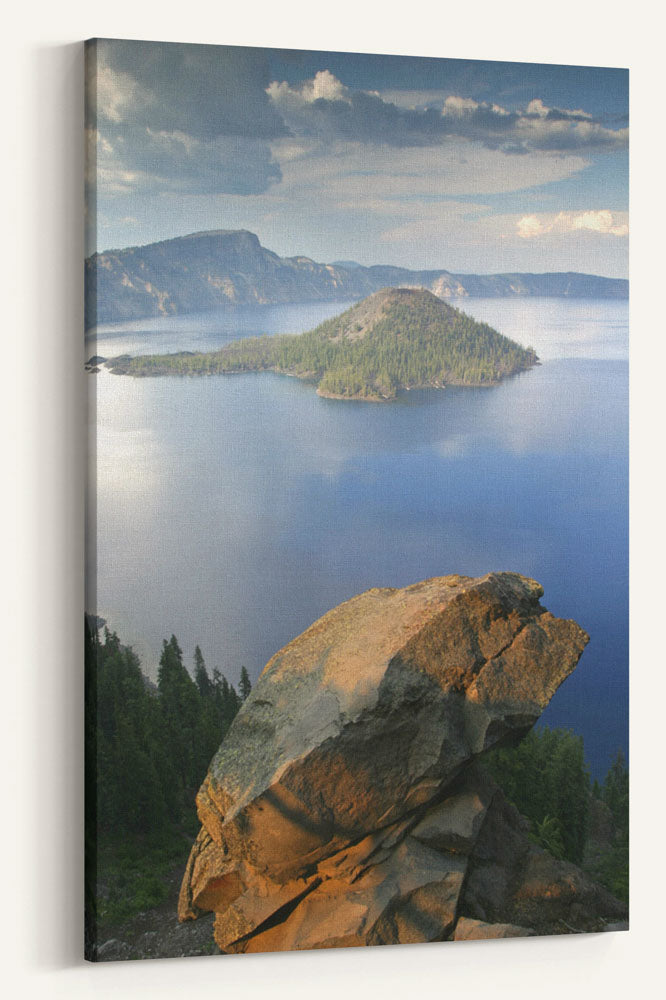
{"type": "Point", "coordinates": [304, 378]}
{"type": "Point", "coordinates": [231, 268]}
{"type": "Point", "coordinates": [120, 369]}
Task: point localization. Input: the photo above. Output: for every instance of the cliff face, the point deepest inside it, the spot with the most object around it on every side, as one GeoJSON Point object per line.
{"type": "Point", "coordinates": [230, 267]}
{"type": "Point", "coordinates": [345, 806]}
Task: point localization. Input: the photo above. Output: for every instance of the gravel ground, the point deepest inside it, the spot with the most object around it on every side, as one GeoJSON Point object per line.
{"type": "Point", "coordinates": [156, 933]}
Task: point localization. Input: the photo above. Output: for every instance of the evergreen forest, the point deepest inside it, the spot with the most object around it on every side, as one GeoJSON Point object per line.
{"type": "Point", "coordinates": [546, 778]}
{"type": "Point", "coordinates": [147, 751]}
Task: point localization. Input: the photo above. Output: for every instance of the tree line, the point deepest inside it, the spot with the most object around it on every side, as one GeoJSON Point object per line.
{"type": "Point", "coordinates": [149, 747]}
{"type": "Point", "coordinates": [147, 751]}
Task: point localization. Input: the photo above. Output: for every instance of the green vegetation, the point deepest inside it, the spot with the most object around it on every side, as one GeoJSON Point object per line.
{"type": "Point", "coordinates": [610, 866]}
{"type": "Point", "coordinates": [396, 339]}
{"type": "Point", "coordinates": [132, 874]}
{"type": "Point", "coordinates": [545, 777]}
{"type": "Point", "coordinates": [147, 752]}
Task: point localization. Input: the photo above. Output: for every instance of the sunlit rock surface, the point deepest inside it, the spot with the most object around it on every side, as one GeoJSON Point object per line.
{"type": "Point", "coordinates": [345, 808]}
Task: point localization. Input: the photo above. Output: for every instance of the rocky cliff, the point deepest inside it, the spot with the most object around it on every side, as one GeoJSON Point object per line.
{"type": "Point", "coordinates": [231, 267]}
{"type": "Point", "coordinates": [346, 806]}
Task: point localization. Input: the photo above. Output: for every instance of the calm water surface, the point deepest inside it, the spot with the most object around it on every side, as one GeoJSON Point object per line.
{"type": "Point", "coordinates": [234, 510]}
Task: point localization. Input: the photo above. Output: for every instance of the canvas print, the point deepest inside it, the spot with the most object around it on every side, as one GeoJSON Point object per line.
{"type": "Point", "coordinates": [356, 623]}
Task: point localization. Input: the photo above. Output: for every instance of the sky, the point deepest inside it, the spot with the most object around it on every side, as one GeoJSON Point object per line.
{"type": "Point", "coordinates": [469, 166]}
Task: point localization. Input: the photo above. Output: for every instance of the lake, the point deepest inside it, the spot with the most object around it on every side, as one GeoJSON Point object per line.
{"type": "Point", "coordinates": [235, 510]}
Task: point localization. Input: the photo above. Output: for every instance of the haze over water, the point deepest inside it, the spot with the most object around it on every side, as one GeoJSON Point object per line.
{"type": "Point", "coordinates": [235, 510]}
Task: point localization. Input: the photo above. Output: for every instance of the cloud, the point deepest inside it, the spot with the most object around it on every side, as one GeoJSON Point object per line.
{"type": "Point", "coordinates": [323, 86]}
{"type": "Point", "coordinates": [130, 159]}
{"type": "Point", "coordinates": [465, 236]}
{"type": "Point", "coordinates": [203, 90]}
{"type": "Point", "coordinates": [182, 118]}
{"type": "Point", "coordinates": [600, 221]}
{"type": "Point", "coordinates": [459, 106]}
{"type": "Point", "coordinates": [183, 137]}
{"type": "Point", "coordinates": [208, 119]}
{"type": "Point", "coordinates": [324, 107]}
{"type": "Point", "coordinates": [537, 108]}
{"type": "Point", "coordinates": [355, 172]}
{"type": "Point", "coordinates": [529, 226]}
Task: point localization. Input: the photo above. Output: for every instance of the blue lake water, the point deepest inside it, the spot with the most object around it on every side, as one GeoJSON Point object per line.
{"type": "Point", "coordinates": [235, 510]}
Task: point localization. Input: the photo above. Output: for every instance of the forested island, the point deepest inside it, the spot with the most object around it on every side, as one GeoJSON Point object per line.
{"type": "Point", "coordinates": [396, 339]}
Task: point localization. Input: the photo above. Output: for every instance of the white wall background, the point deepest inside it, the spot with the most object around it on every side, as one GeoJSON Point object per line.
{"type": "Point", "coordinates": [42, 489]}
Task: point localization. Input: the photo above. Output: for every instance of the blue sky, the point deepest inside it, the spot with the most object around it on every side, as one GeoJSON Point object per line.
{"type": "Point", "coordinates": [442, 163]}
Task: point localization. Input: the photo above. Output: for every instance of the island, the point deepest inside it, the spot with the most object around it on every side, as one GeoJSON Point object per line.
{"type": "Point", "coordinates": [395, 339]}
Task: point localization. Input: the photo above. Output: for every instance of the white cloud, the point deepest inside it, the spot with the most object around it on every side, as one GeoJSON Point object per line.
{"type": "Point", "coordinates": [323, 106]}
{"type": "Point", "coordinates": [118, 94]}
{"type": "Point", "coordinates": [459, 105]}
{"type": "Point", "coordinates": [600, 221]}
{"type": "Point", "coordinates": [530, 225]}
{"type": "Point", "coordinates": [324, 85]}
{"type": "Point", "coordinates": [537, 107]}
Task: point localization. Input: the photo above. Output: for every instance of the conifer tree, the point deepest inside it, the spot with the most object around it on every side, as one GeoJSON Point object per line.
{"type": "Point", "coordinates": [244, 686]}
{"type": "Point", "coordinates": [615, 792]}
{"type": "Point", "coordinates": [201, 675]}
{"type": "Point", "coordinates": [180, 702]}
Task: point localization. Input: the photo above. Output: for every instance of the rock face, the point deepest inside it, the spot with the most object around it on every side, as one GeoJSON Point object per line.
{"type": "Point", "coordinates": [345, 806]}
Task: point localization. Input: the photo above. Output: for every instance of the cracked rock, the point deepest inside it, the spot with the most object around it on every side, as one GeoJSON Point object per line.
{"type": "Point", "coordinates": [344, 805]}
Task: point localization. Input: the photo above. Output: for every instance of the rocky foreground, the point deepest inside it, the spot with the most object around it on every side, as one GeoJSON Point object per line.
{"type": "Point", "coordinates": [346, 807]}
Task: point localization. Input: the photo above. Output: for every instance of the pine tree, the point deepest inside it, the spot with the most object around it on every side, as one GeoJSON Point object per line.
{"type": "Point", "coordinates": [180, 703]}
{"type": "Point", "coordinates": [201, 675]}
{"type": "Point", "coordinates": [615, 792]}
{"type": "Point", "coordinates": [244, 685]}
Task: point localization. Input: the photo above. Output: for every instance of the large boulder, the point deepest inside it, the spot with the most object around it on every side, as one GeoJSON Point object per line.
{"type": "Point", "coordinates": [343, 806]}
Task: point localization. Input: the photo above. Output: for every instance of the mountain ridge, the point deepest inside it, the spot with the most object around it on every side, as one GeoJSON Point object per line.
{"type": "Point", "coordinates": [230, 267]}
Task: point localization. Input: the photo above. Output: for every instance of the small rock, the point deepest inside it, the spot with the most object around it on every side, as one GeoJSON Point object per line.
{"type": "Point", "coordinates": [477, 930]}
{"type": "Point", "coordinates": [113, 951]}
{"type": "Point", "coordinates": [618, 925]}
